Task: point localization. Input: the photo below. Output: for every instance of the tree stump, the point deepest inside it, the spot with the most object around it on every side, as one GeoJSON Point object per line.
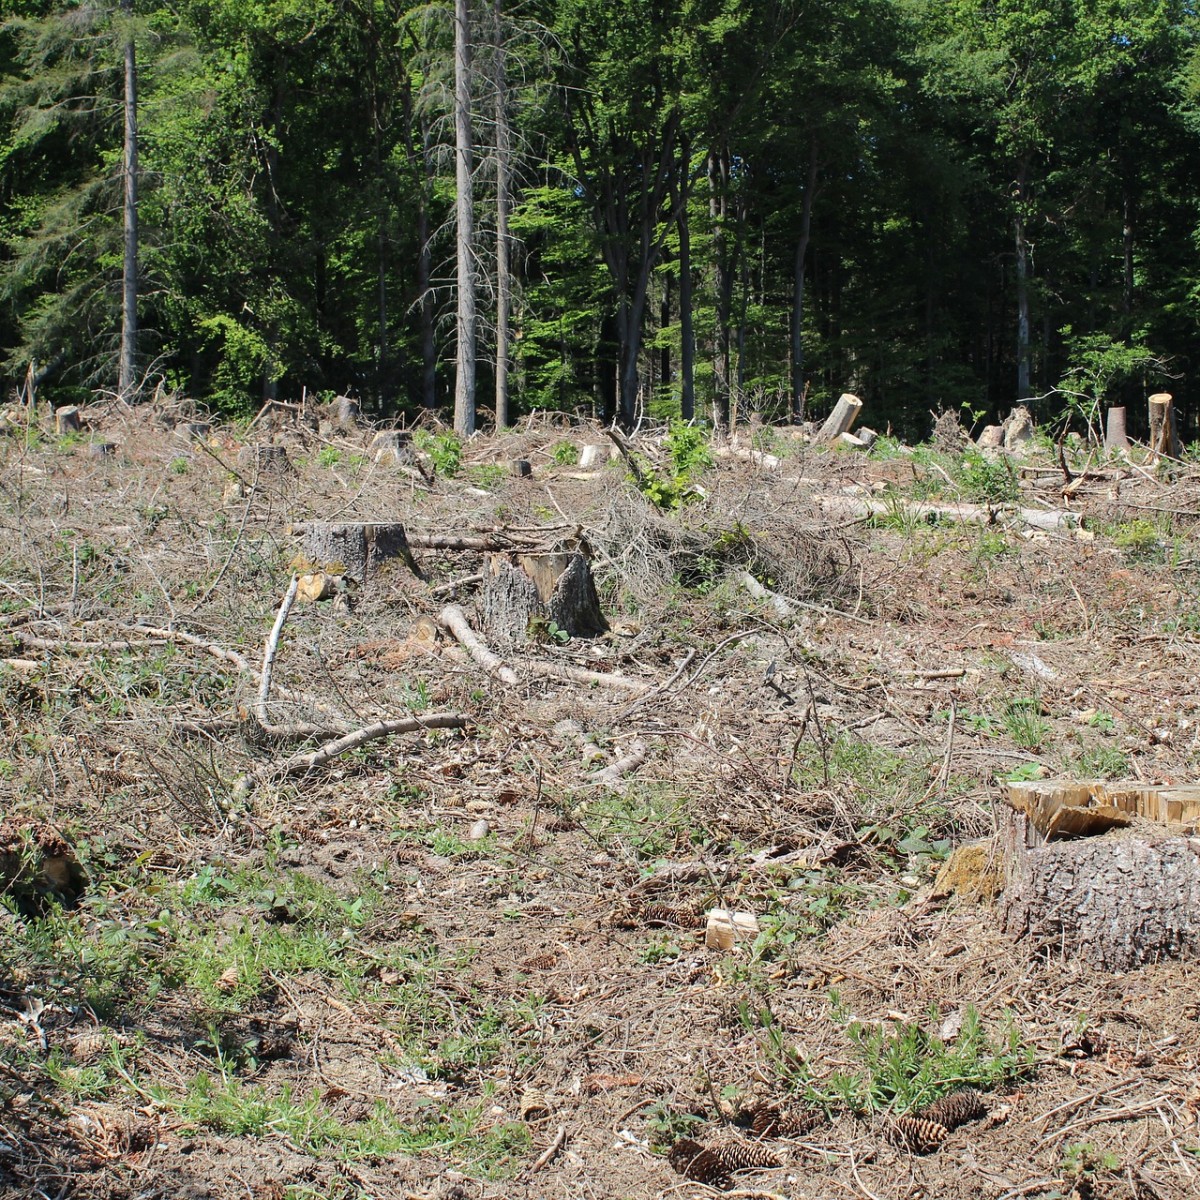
{"type": "Point", "coordinates": [1114, 430]}
{"type": "Point", "coordinates": [392, 446]}
{"type": "Point", "coordinates": [1164, 426]}
{"type": "Point", "coordinates": [265, 460]}
{"type": "Point", "coordinates": [355, 550]}
{"type": "Point", "coordinates": [1116, 899]}
{"type": "Point", "coordinates": [67, 420]}
{"type": "Point", "coordinates": [526, 592]}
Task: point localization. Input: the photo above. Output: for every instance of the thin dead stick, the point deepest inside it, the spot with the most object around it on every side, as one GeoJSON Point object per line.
{"type": "Point", "coordinates": [237, 541]}
{"type": "Point", "coordinates": [454, 620]}
{"type": "Point", "coordinates": [446, 589]}
{"type": "Point", "coordinates": [1112, 1090]}
{"type": "Point", "coordinates": [600, 678]}
{"type": "Point", "coordinates": [301, 764]}
{"type": "Point", "coordinates": [270, 650]}
{"type": "Point", "coordinates": [1116, 1114]}
{"type": "Point", "coordinates": [551, 1150]}
{"type": "Point", "coordinates": [657, 691]}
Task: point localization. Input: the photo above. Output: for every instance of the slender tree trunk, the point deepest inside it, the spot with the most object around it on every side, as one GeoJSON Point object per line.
{"type": "Point", "coordinates": [798, 269]}
{"type": "Point", "coordinates": [664, 323]}
{"type": "Point", "coordinates": [1024, 355]}
{"type": "Point", "coordinates": [425, 281]}
{"type": "Point", "coordinates": [464, 383]}
{"type": "Point", "coordinates": [503, 201]}
{"type": "Point", "coordinates": [687, 331]}
{"type": "Point", "coordinates": [1127, 247]}
{"type": "Point", "coordinates": [127, 372]}
{"type": "Point", "coordinates": [718, 209]}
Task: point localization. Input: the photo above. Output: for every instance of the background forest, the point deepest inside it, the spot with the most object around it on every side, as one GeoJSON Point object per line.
{"type": "Point", "coordinates": [683, 207]}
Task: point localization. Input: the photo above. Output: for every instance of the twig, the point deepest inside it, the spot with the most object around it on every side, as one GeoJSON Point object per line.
{"type": "Point", "coordinates": [445, 589]}
{"type": "Point", "coordinates": [303, 763]}
{"type": "Point", "coordinates": [269, 651]}
{"type": "Point", "coordinates": [657, 691]}
{"type": "Point", "coordinates": [600, 678]}
{"type": "Point", "coordinates": [551, 1150]}
{"type": "Point", "coordinates": [612, 775]}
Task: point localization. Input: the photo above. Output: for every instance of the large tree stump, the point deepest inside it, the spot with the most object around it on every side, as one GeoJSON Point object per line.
{"type": "Point", "coordinates": [525, 592]}
{"type": "Point", "coordinates": [1116, 899]}
{"type": "Point", "coordinates": [353, 550]}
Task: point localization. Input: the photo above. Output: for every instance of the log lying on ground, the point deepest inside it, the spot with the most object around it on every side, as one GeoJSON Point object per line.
{"type": "Point", "coordinates": [1118, 899]}
{"type": "Point", "coordinates": [841, 420]}
{"type": "Point", "coordinates": [1050, 520]}
{"type": "Point", "coordinates": [523, 591]}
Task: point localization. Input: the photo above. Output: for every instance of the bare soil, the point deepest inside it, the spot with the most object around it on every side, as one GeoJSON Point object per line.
{"type": "Point", "coordinates": [516, 977]}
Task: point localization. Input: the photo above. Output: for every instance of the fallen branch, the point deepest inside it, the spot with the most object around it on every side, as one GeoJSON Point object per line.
{"type": "Point", "coordinates": [1052, 520]}
{"type": "Point", "coordinates": [612, 775]}
{"type": "Point", "coordinates": [774, 599]}
{"type": "Point", "coordinates": [454, 621]}
{"type": "Point", "coordinates": [301, 764]}
{"type": "Point", "coordinates": [583, 675]}
{"type": "Point", "coordinates": [551, 1150]}
{"type": "Point", "coordinates": [659, 689]}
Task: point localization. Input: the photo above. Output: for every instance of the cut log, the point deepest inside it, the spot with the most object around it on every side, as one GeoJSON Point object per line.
{"type": "Point", "coordinates": [1114, 430]}
{"type": "Point", "coordinates": [1116, 901]}
{"type": "Point", "coordinates": [525, 592]}
{"type": "Point", "coordinates": [841, 420]}
{"type": "Point", "coordinates": [454, 621]}
{"type": "Point", "coordinates": [1050, 520]}
{"type": "Point", "coordinates": [1164, 428]}
{"type": "Point", "coordinates": [67, 420]}
{"type": "Point", "coordinates": [356, 551]}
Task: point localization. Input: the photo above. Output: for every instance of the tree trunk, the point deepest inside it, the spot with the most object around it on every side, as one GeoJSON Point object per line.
{"type": "Point", "coordinates": [687, 331]}
{"type": "Point", "coordinates": [129, 284]}
{"type": "Point", "coordinates": [425, 281]}
{"type": "Point", "coordinates": [1024, 371]}
{"type": "Point", "coordinates": [798, 269]}
{"type": "Point", "coordinates": [503, 201]}
{"type": "Point", "coordinates": [718, 209]}
{"type": "Point", "coordinates": [464, 383]}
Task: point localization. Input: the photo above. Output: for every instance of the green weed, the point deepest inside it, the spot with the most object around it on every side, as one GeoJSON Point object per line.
{"type": "Point", "coordinates": [566, 454]}
{"type": "Point", "coordinates": [444, 450]}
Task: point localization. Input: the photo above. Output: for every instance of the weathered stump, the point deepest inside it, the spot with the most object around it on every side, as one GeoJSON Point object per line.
{"type": "Point", "coordinates": [1114, 430]}
{"type": "Point", "coordinates": [347, 412]}
{"type": "Point", "coordinates": [67, 420]}
{"type": "Point", "coordinates": [265, 460]}
{"type": "Point", "coordinates": [1116, 899]}
{"type": "Point", "coordinates": [353, 550]}
{"type": "Point", "coordinates": [525, 593]}
{"type": "Point", "coordinates": [393, 446]}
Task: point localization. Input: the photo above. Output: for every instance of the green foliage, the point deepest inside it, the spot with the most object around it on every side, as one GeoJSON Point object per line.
{"type": "Point", "coordinates": [1097, 366]}
{"type": "Point", "coordinates": [986, 481]}
{"type": "Point", "coordinates": [1023, 722]}
{"type": "Point", "coordinates": [444, 450]}
{"type": "Point", "coordinates": [905, 1067]}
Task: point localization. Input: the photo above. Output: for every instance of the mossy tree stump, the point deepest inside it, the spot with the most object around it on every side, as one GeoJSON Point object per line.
{"type": "Point", "coordinates": [525, 592]}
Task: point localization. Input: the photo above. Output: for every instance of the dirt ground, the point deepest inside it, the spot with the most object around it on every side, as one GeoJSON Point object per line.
{"type": "Point", "coordinates": [460, 962]}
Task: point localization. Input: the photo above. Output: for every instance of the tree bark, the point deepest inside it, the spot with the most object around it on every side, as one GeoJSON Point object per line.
{"type": "Point", "coordinates": [503, 201]}
{"type": "Point", "coordinates": [1115, 901]}
{"type": "Point", "coordinates": [127, 373]}
{"type": "Point", "coordinates": [798, 270]}
{"type": "Point", "coordinates": [687, 329]}
{"type": "Point", "coordinates": [464, 383]}
{"type": "Point", "coordinates": [523, 590]}
{"type": "Point", "coordinates": [1024, 371]}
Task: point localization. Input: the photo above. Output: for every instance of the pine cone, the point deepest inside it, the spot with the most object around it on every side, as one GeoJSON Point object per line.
{"type": "Point", "coordinates": [738, 1154]}
{"type": "Point", "coordinates": [915, 1134]}
{"type": "Point", "coordinates": [956, 1109]}
{"type": "Point", "coordinates": [693, 1161]}
{"type": "Point", "coordinates": [773, 1120]}
{"type": "Point", "coordinates": [673, 914]}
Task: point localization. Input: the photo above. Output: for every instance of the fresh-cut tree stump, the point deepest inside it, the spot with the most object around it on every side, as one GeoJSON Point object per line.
{"type": "Point", "coordinates": [841, 420]}
{"type": "Point", "coordinates": [1164, 427]}
{"type": "Point", "coordinates": [353, 550]}
{"type": "Point", "coordinates": [1117, 899]}
{"type": "Point", "coordinates": [523, 592]}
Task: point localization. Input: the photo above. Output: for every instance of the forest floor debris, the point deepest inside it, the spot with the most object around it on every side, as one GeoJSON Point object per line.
{"type": "Point", "coordinates": [468, 957]}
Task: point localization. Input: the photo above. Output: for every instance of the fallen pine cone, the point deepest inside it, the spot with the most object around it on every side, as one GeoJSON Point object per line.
{"type": "Point", "coordinates": [693, 1161]}
{"type": "Point", "coordinates": [916, 1134]}
{"type": "Point", "coordinates": [956, 1109]}
{"type": "Point", "coordinates": [738, 1154]}
{"type": "Point", "coordinates": [774, 1120]}
{"type": "Point", "coordinates": [673, 914]}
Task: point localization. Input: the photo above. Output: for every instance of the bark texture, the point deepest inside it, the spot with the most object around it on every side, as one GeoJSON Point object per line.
{"type": "Point", "coordinates": [1116, 901]}
{"type": "Point", "coordinates": [355, 551]}
{"type": "Point", "coordinates": [524, 591]}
